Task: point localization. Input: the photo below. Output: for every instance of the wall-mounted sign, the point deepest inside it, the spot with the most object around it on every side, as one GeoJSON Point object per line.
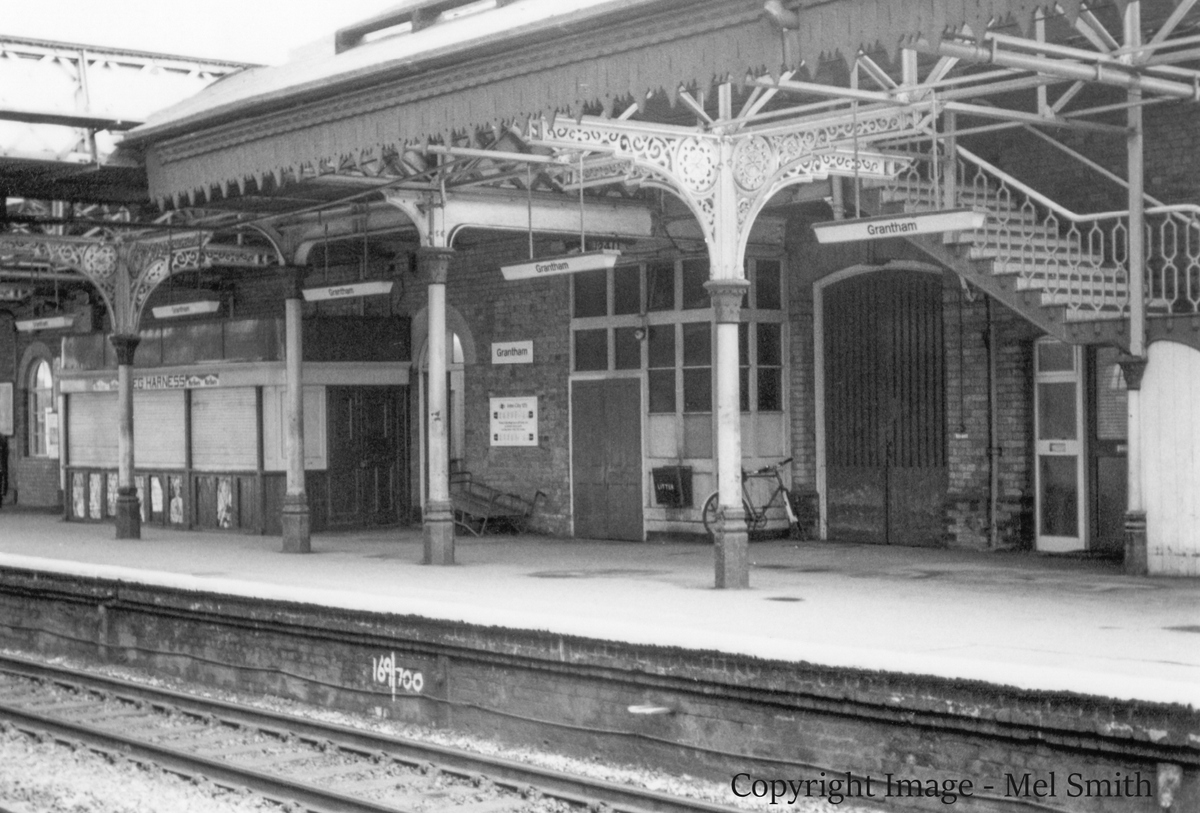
{"type": "Point", "coordinates": [348, 290]}
{"type": "Point", "coordinates": [14, 293]}
{"type": "Point", "coordinates": [903, 225]}
{"type": "Point", "coordinates": [190, 381]}
{"type": "Point", "coordinates": [512, 352]}
{"type": "Point", "coordinates": [567, 264]}
{"type": "Point", "coordinates": [514, 421]}
{"type": "Point", "coordinates": [46, 323]}
{"type": "Point", "coordinates": [186, 309]}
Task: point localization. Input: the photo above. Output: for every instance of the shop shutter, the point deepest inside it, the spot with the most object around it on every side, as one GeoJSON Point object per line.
{"type": "Point", "coordinates": [159, 441]}
{"type": "Point", "coordinates": [224, 429]}
{"type": "Point", "coordinates": [92, 429]}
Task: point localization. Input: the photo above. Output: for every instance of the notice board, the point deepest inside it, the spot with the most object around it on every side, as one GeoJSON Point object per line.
{"type": "Point", "coordinates": [514, 421]}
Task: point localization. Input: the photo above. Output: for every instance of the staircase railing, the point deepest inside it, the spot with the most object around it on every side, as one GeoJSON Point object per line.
{"type": "Point", "coordinates": [1077, 260]}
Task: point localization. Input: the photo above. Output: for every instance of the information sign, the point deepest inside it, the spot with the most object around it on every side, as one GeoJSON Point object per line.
{"type": "Point", "coordinates": [902, 225]}
{"type": "Point", "coordinates": [512, 352]}
{"type": "Point", "coordinates": [567, 264]}
{"type": "Point", "coordinates": [514, 421]}
{"type": "Point", "coordinates": [348, 290]}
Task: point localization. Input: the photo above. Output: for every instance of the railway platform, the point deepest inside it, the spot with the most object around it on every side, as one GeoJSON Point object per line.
{"type": "Point", "coordinates": [1042, 623]}
{"type": "Point", "coordinates": [937, 666]}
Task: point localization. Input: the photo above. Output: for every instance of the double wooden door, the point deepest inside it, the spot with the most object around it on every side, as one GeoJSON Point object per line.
{"type": "Point", "coordinates": [885, 419]}
{"type": "Point", "coordinates": [366, 455]}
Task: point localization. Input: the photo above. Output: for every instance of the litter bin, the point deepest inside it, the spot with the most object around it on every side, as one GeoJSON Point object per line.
{"type": "Point", "coordinates": [673, 486]}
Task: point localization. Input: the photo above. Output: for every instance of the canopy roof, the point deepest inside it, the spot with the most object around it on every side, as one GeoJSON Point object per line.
{"type": "Point", "coordinates": [441, 70]}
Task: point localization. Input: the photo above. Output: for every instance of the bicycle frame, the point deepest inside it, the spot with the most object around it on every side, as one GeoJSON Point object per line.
{"type": "Point", "coordinates": [756, 515]}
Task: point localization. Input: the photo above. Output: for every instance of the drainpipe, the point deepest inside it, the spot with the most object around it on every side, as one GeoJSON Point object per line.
{"type": "Point", "coordinates": [993, 441]}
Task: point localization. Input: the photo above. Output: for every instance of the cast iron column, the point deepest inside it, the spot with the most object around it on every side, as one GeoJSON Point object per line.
{"type": "Point", "coordinates": [1136, 556]}
{"type": "Point", "coordinates": [732, 555]}
{"type": "Point", "coordinates": [129, 512]}
{"type": "Point", "coordinates": [295, 517]}
{"type": "Point", "coordinates": [438, 514]}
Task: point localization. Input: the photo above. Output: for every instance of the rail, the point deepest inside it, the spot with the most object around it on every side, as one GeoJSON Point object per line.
{"type": "Point", "coordinates": [292, 759]}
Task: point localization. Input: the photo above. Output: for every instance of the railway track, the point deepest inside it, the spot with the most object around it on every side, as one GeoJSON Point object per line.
{"type": "Point", "coordinates": [298, 763]}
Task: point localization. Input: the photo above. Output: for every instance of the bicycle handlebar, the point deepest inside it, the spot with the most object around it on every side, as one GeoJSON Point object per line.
{"type": "Point", "coordinates": [768, 469]}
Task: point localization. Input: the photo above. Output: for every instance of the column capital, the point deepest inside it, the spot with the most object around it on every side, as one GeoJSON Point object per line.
{"type": "Point", "coordinates": [293, 281]}
{"type": "Point", "coordinates": [433, 264]}
{"type": "Point", "coordinates": [1132, 368]}
{"type": "Point", "coordinates": [125, 344]}
{"type": "Point", "coordinates": [727, 298]}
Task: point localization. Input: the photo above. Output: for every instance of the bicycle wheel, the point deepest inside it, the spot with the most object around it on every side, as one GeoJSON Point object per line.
{"type": "Point", "coordinates": [710, 513]}
{"type": "Point", "coordinates": [712, 507]}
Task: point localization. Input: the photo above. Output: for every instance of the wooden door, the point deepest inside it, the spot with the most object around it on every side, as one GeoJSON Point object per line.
{"type": "Point", "coordinates": [606, 442]}
{"type": "Point", "coordinates": [365, 456]}
{"type": "Point", "coordinates": [885, 425]}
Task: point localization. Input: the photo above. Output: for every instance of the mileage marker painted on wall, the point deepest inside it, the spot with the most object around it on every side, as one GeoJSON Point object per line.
{"type": "Point", "coordinates": [902, 225]}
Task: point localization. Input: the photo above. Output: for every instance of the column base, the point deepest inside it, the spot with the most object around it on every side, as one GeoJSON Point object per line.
{"type": "Point", "coordinates": [1136, 558]}
{"type": "Point", "coordinates": [732, 552]}
{"type": "Point", "coordinates": [297, 534]}
{"type": "Point", "coordinates": [129, 513]}
{"type": "Point", "coordinates": [439, 534]}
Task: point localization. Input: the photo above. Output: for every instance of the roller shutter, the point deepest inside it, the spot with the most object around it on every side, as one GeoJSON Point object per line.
{"type": "Point", "coordinates": [159, 440]}
{"type": "Point", "coordinates": [225, 429]}
{"type": "Point", "coordinates": [92, 422]}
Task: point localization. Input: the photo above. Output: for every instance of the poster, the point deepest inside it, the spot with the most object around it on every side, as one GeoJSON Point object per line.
{"type": "Point", "coordinates": [514, 421]}
{"type": "Point", "coordinates": [6, 408]}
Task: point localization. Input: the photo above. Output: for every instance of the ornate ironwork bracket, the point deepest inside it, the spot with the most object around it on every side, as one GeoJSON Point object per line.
{"type": "Point", "coordinates": [126, 273]}
{"type": "Point", "coordinates": [727, 178]}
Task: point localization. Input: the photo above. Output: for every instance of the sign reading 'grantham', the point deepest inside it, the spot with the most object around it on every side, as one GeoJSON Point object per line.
{"type": "Point", "coordinates": [568, 264]}
{"type": "Point", "coordinates": [903, 225]}
{"type": "Point", "coordinates": [351, 289]}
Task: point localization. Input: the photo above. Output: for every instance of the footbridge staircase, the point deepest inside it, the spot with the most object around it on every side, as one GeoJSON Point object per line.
{"type": "Point", "coordinates": [1067, 273]}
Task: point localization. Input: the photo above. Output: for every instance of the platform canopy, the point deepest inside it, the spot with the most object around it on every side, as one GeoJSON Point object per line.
{"type": "Point", "coordinates": [364, 102]}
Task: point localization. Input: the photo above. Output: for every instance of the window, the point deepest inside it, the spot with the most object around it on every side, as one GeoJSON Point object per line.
{"type": "Point", "coordinates": [43, 419]}
{"type": "Point", "coordinates": [656, 318]}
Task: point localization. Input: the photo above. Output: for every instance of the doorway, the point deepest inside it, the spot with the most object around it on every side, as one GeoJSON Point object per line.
{"type": "Point", "coordinates": [882, 392]}
{"type": "Point", "coordinates": [1108, 417]}
{"type": "Point", "coordinates": [366, 431]}
{"type": "Point", "coordinates": [1059, 422]}
{"type": "Point", "coordinates": [606, 459]}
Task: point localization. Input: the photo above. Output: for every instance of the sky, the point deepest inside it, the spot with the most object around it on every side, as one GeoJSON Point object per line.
{"type": "Point", "coordinates": [260, 31]}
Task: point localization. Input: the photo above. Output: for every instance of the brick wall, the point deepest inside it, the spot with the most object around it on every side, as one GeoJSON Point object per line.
{"type": "Point", "coordinates": [500, 311]}
{"type": "Point", "coordinates": [967, 504]}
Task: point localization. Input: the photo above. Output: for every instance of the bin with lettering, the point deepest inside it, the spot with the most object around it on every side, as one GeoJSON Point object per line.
{"type": "Point", "coordinates": [673, 486]}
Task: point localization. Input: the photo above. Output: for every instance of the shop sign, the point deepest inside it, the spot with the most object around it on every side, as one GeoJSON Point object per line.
{"type": "Point", "coordinates": [176, 382]}
{"type": "Point", "coordinates": [514, 421]}
{"type": "Point", "coordinates": [904, 225]}
{"type": "Point", "coordinates": [512, 352]}
{"type": "Point", "coordinates": [568, 264]}
{"type": "Point", "coordinates": [348, 290]}
{"type": "Point", "coordinates": [46, 323]}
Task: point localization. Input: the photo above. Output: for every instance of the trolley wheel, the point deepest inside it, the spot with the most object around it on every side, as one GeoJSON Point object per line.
{"type": "Point", "coordinates": [712, 505]}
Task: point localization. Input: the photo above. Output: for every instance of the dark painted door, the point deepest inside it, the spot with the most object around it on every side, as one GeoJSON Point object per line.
{"type": "Point", "coordinates": [606, 442]}
{"type": "Point", "coordinates": [1108, 442]}
{"type": "Point", "coordinates": [885, 424]}
{"type": "Point", "coordinates": [365, 446]}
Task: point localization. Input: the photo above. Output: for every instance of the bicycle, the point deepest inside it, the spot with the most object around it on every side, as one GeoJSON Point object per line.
{"type": "Point", "coordinates": [756, 517]}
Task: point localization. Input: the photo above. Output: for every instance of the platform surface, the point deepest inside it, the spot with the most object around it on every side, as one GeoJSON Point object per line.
{"type": "Point", "coordinates": [1018, 619]}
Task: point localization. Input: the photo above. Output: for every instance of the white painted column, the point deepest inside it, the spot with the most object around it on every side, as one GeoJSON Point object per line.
{"type": "Point", "coordinates": [438, 514]}
{"type": "Point", "coordinates": [726, 287]}
{"type": "Point", "coordinates": [731, 538]}
{"type": "Point", "coordinates": [129, 513]}
{"type": "Point", "coordinates": [296, 522]}
{"type": "Point", "coordinates": [1135, 364]}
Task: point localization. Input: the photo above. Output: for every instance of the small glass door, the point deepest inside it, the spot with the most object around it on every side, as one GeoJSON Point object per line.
{"type": "Point", "coordinates": [1059, 428]}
